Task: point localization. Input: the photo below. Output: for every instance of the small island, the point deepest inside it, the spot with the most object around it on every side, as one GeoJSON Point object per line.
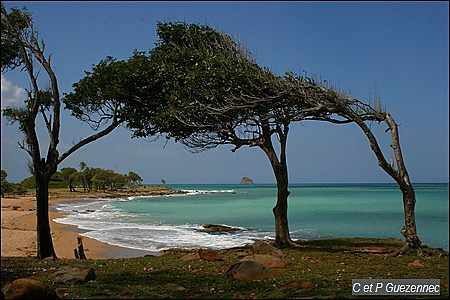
{"type": "Point", "coordinates": [246, 180]}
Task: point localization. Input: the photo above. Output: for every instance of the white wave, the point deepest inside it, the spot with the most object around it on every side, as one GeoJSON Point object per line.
{"type": "Point", "coordinates": [199, 192]}
{"type": "Point", "coordinates": [156, 237]}
{"type": "Point", "coordinates": [165, 237]}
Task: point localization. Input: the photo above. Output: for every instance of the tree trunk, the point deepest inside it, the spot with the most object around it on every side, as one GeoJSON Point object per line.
{"type": "Point", "coordinates": [44, 237]}
{"type": "Point", "coordinates": [400, 176]}
{"type": "Point", "coordinates": [413, 241]}
{"type": "Point", "coordinates": [280, 211]}
{"type": "Point", "coordinates": [279, 166]}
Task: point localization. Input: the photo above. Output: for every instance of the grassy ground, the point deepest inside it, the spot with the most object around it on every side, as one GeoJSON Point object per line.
{"type": "Point", "coordinates": [330, 264]}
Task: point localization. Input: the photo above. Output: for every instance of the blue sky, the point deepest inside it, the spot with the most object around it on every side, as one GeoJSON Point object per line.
{"type": "Point", "coordinates": [396, 49]}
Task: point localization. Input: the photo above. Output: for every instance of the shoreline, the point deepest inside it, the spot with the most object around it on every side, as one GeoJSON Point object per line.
{"type": "Point", "coordinates": [18, 226]}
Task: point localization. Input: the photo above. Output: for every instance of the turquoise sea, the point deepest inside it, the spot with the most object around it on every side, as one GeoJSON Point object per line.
{"type": "Point", "coordinates": [316, 211]}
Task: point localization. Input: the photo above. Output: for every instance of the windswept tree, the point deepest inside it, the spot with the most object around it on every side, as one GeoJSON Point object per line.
{"type": "Point", "coordinates": [346, 109]}
{"type": "Point", "coordinates": [22, 47]}
{"type": "Point", "coordinates": [213, 93]}
{"type": "Point", "coordinates": [134, 179]}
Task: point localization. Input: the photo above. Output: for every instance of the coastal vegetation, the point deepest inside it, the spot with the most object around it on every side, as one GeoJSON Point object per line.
{"type": "Point", "coordinates": [321, 269]}
{"type": "Point", "coordinates": [11, 188]}
{"type": "Point", "coordinates": [197, 86]}
{"type": "Point", "coordinates": [212, 92]}
{"type": "Point", "coordinates": [87, 179]}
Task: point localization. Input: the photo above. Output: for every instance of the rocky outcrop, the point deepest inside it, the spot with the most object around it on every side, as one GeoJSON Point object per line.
{"type": "Point", "coordinates": [24, 288]}
{"type": "Point", "coordinates": [74, 274]}
{"type": "Point", "coordinates": [268, 261]}
{"type": "Point", "coordinates": [246, 180]}
{"type": "Point", "coordinates": [214, 228]}
{"type": "Point", "coordinates": [190, 257]}
{"type": "Point", "coordinates": [249, 270]}
{"type": "Point", "coordinates": [209, 255]}
{"type": "Point", "coordinates": [262, 247]}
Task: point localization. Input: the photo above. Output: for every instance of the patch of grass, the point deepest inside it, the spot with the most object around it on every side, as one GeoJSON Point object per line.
{"type": "Point", "coordinates": [330, 264]}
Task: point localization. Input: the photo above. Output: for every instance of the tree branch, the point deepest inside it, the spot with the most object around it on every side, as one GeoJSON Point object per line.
{"type": "Point", "coordinates": [89, 139]}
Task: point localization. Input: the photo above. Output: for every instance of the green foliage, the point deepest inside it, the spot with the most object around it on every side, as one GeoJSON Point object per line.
{"type": "Point", "coordinates": [108, 88]}
{"type": "Point", "coordinates": [56, 181]}
{"type": "Point", "coordinates": [11, 55]}
{"type": "Point", "coordinates": [134, 179]}
{"type": "Point", "coordinates": [11, 188]}
{"type": "Point", "coordinates": [193, 68]}
{"type": "Point", "coordinates": [67, 172]}
{"type": "Point", "coordinates": [89, 178]}
{"type": "Point", "coordinates": [29, 183]}
{"type": "Point", "coordinates": [4, 175]}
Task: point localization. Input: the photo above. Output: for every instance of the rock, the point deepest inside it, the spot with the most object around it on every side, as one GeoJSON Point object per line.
{"type": "Point", "coordinates": [174, 287]}
{"type": "Point", "coordinates": [190, 256]}
{"type": "Point", "coordinates": [209, 255]}
{"type": "Point", "coordinates": [249, 270]}
{"type": "Point", "coordinates": [24, 288]}
{"type": "Point", "coordinates": [218, 228]}
{"type": "Point", "coordinates": [417, 264]}
{"type": "Point", "coordinates": [242, 254]}
{"type": "Point", "coordinates": [62, 292]}
{"type": "Point", "coordinates": [262, 247]}
{"type": "Point", "coordinates": [268, 261]}
{"type": "Point", "coordinates": [73, 274]}
{"type": "Point", "coordinates": [246, 180]}
{"type": "Point", "coordinates": [306, 284]}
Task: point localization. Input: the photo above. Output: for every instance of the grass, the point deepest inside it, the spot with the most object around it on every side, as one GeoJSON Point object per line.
{"type": "Point", "coordinates": [331, 264]}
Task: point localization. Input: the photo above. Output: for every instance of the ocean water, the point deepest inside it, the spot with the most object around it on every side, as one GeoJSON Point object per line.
{"type": "Point", "coordinates": [316, 211]}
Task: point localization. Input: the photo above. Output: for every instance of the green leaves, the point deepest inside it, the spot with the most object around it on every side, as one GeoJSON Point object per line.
{"type": "Point", "coordinates": [16, 21]}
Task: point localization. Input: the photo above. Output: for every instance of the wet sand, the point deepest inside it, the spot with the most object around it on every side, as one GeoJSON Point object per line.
{"type": "Point", "coordinates": [18, 229]}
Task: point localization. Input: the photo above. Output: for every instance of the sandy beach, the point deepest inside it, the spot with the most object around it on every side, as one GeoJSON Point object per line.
{"type": "Point", "coordinates": [18, 228]}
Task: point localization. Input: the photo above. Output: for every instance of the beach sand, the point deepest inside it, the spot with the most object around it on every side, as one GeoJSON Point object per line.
{"type": "Point", "coordinates": [18, 230]}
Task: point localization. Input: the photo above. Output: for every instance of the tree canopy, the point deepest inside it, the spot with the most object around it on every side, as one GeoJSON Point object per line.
{"type": "Point", "coordinates": [211, 92]}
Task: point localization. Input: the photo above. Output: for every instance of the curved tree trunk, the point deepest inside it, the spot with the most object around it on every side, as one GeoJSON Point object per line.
{"type": "Point", "coordinates": [410, 232]}
{"type": "Point", "coordinates": [400, 176]}
{"type": "Point", "coordinates": [44, 237]}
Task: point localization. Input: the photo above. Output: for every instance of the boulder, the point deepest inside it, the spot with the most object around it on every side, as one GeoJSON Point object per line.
{"type": "Point", "coordinates": [209, 255]}
{"type": "Point", "coordinates": [246, 180]}
{"type": "Point", "coordinates": [262, 247]}
{"type": "Point", "coordinates": [24, 288]}
{"type": "Point", "coordinates": [417, 264]}
{"type": "Point", "coordinates": [249, 270]}
{"type": "Point", "coordinates": [74, 274]}
{"type": "Point", "coordinates": [174, 287]}
{"type": "Point", "coordinates": [190, 256]}
{"type": "Point", "coordinates": [213, 228]}
{"type": "Point", "coordinates": [269, 261]}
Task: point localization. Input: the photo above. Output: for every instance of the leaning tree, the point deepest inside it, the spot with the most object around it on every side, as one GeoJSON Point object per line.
{"type": "Point", "coordinates": [345, 109]}
{"type": "Point", "coordinates": [99, 99]}
{"type": "Point", "coordinates": [211, 92]}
